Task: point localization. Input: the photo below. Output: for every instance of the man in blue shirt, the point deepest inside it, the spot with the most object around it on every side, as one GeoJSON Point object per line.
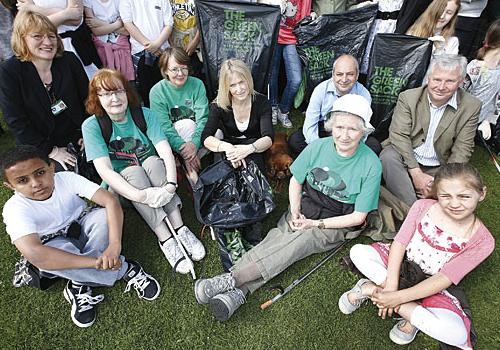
{"type": "Point", "coordinates": [344, 81]}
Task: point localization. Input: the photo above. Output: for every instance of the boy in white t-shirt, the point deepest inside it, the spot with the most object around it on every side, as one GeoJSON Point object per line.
{"type": "Point", "coordinates": [54, 230]}
{"type": "Point", "coordinates": [149, 23]}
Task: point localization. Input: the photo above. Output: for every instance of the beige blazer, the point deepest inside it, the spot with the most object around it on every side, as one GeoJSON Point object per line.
{"type": "Point", "coordinates": [454, 137]}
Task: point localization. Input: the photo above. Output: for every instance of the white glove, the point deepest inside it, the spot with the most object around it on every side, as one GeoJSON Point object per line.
{"type": "Point", "coordinates": [437, 38]}
{"type": "Point", "coordinates": [485, 129]}
{"type": "Point", "coordinates": [157, 197]}
{"type": "Point", "coordinates": [63, 157]}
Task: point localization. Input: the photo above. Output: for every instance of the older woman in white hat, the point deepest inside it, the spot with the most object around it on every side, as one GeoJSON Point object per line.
{"type": "Point", "coordinates": [335, 184]}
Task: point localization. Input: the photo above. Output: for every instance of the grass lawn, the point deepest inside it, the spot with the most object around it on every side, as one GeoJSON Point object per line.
{"type": "Point", "coordinates": [307, 318]}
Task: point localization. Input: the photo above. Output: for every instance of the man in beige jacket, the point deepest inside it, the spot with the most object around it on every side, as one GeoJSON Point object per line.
{"type": "Point", "coordinates": [431, 125]}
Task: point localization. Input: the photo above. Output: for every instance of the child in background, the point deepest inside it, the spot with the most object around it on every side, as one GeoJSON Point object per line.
{"type": "Point", "coordinates": [109, 35]}
{"type": "Point", "coordinates": [185, 33]}
{"type": "Point", "coordinates": [292, 11]}
{"type": "Point", "coordinates": [483, 79]}
{"type": "Point", "coordinates": [149, 23]}
{"type": "Point", "coordinates": [55, 231]}
{"type": "Point", "coordinates": [446, 240]}
{"type": "Point", "coordinates": [67, 16]}
{"type": "Point", "coordinates": [437, 24]}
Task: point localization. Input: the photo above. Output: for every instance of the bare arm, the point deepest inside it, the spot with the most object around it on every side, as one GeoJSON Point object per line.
{"type": "Point", "coordinates": [71, 15]}
{"type": "Point", "coordinates": [99, 27]}
{"type": "Point", "coordinates": [49, 258]}
{"type": "Point", "coordinates": [396, 256]}
{"type": "Point", "coordinates": [427, 287]}
{"type": "Point", "coordinates": [116, 181]}
{"type": "Point", "coordinates": [110, 258]}
{"type": "Point", "coordinates": [294, 195]}
{"type": "Point", "coordinates": [165, 153]}
{"type": "Point", "coordinates": [136, 33]}
{"type": "Point", "coordinates": [190, 48]}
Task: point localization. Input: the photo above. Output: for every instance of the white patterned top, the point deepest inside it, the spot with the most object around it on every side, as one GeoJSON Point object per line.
{"type": "Point", "coordinates": [430, 247]}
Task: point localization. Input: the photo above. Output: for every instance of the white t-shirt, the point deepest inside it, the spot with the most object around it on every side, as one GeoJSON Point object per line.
{"type": "Point", "coordinates": [105, 11]}
{"type": "Point", "coordinates": [23, 216]}
{"type": "Point", "coordinates": [149, 16]}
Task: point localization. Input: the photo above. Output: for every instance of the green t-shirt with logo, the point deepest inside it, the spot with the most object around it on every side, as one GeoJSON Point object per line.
{"type": "Point", "coordinates": [127, 145]}
{"type": "Point", "coordinates": [353, 180]}
{"type": "Point", "coordinates": [172, 104]}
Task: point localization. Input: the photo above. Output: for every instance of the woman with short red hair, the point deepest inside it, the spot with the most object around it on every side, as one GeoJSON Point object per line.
{"type": "Point", "coordinates": [131, 154]}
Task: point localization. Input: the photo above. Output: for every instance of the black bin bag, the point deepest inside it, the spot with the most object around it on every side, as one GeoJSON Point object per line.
{"type": "Point", "coordinates": [233, 202]}
{"type": "Point", "coordinates": [397, 62]}
{"type": "Point", "coordinates": [321, 41]}
{"type": "Point", "coordinates": [230, 29]}
{"type": "Point", "coordinates": [229, 198]}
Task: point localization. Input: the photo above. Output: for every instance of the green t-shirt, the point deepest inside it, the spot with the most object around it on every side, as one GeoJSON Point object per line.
{"type": "Point", "coordinates": [127, 145]}
{"type": "Point", "coordinates": [172, 104]}
{"type": "Point", "coordinates": [353, 180]}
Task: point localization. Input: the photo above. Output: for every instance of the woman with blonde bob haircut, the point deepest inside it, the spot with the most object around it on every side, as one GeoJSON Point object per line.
{"type": "Point", "coordinates": [242, 114]}
{"type": "Point", "coordinates": [43, 89]}
{"type": "Point", "coordinates": [28, 23]}
{"type": "Point", "coordinates": [438, 24]}
{"type": "Point", "coordinates": [137, 162]}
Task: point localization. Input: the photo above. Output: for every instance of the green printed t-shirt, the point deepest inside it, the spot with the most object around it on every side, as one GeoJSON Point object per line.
{"type": "Point", "coordinates": [128, 145]}
{"type": "Point", "coordinates": [171, 104]}
{"type": "Point", "coordinates": [353, 180]}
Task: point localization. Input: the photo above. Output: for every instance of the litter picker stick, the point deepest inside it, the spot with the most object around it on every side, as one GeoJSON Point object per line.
{"type": "Point", "coordinates": [181, 247]}
{"type": "Point", "coordinates": [295, 283]}
{"type": "Point", "coordinates": [493, 158]}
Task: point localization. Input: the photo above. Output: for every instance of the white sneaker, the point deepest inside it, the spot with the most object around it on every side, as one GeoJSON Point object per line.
{"type": "Point", "coordinates": [192, 244]}
{"type": "Point", "coordinates": [283, 118]}
{"type": "Point", "coordinates": [174, 256]}
{"type": "Point", "coordinates": [275, 112]}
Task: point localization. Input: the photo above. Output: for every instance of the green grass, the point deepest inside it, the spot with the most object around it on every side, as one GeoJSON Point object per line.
{"type": "Point", "coordinates": [307, 318]}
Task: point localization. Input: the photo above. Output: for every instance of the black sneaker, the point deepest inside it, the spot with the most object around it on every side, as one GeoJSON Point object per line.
{"type": "Point", "coordinates": [82, 303]}
{"type": "Point", "coordinates": [146, 286]}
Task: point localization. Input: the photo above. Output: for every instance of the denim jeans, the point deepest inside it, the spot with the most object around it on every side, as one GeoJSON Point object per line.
{"type": "Point", "coordinates": [293, 71]}
{"type": "Point", "coordinates": [93, 241]}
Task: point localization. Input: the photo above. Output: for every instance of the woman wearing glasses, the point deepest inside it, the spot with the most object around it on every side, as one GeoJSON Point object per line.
{"type": "Point", "coordinates": [181, 104]}
{"type": "Point", "coordinates": [136, 161]}
{"type": "Point", "coordinates": [43, 89]}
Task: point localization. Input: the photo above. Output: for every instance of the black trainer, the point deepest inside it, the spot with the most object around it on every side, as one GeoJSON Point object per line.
{"type": "Point", "coordinates": [146, 286]}
{"type": "Point", "coordinates": [82, 303]}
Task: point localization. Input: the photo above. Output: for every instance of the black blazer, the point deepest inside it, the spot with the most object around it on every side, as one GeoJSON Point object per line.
{"type": "Point", "coordinates": [26, 104]}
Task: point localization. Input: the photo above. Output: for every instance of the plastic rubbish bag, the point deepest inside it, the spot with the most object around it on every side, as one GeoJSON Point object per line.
{"type": "Point", "coordinates": [225, 197]}
{"type": "Point", "coordinates": [321, 41]}
{"type": "Point", "coordinates": [237, 30]}
{"type": "Point", "coordinates": [397, 63]}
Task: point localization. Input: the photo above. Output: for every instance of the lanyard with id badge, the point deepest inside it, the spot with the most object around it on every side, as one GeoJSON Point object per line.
{"type": "Point", "coordinates": [57, 106]}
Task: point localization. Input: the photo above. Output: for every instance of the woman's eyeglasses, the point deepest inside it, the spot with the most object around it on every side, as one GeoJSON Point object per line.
{"type": "Point", "coordinates": [40, 37]}
{"type": "Point", "coordinates": [183, 70]}
{"type": "Point", "coordinates": [109, 94]}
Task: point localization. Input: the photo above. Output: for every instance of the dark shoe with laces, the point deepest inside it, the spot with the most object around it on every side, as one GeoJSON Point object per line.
{"type": "Point", "coordinates": [82, 303]}
{"type": "Point", "coordinates": [145, 285]}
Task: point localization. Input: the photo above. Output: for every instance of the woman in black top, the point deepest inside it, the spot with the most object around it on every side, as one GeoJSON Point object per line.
{"type": "Point", "coordinates": [43, 89]}
{"type": "Point", "coordinates": [243, 116]}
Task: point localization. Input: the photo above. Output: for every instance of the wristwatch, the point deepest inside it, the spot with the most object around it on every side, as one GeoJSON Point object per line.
{"type": "Point", "coordinates": [173, 184]}
{"type": "Point", "coordinates": [321, 224]}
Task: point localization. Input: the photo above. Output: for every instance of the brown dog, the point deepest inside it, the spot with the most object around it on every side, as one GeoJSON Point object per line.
{"type": "Point", "coordinates": [278, 162]}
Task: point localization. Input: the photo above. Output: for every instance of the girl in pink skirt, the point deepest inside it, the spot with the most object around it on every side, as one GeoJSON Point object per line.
{"type": "Point", "coordinates": [447, 241]}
